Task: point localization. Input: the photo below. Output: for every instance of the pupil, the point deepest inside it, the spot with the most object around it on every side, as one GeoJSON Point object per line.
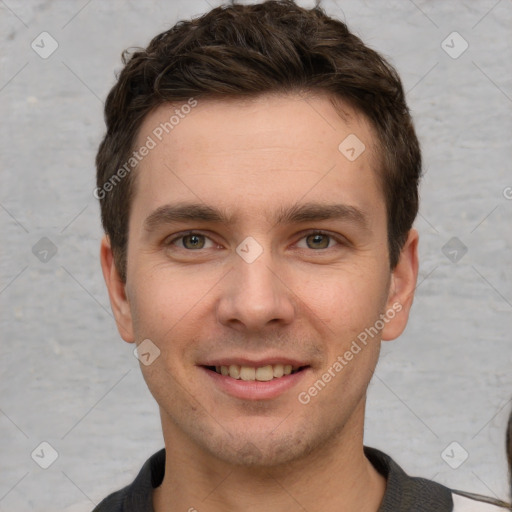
{"type": "Point", "coordinates": [317, 239]}
{"type": "Point", "coordinates": [193, 240]}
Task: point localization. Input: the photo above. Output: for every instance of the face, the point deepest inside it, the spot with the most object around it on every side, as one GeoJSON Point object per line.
{"type": "Point", "coordinates": [254, 242]}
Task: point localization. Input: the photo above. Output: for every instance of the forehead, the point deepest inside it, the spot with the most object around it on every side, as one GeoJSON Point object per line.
{"type": "Point", "coordinates": [254, 152]}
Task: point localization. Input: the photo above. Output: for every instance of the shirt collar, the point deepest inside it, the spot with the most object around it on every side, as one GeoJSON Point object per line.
{"type": "Point", "coordinates": [403, 493]}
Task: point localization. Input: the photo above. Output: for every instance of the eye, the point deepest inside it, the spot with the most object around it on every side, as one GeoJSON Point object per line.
{"type": "Point", "coordinates": [319, 240]}
{"type": "Point", "coordinates": [190, 241]}
{"type": "Point", "coordinates": [194, 241]}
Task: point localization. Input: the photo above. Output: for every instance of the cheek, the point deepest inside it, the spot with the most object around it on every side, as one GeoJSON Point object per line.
{"type": "Point", "coordinates": [346, 300]}
{"type": "Point", "coordinates": [163, 312]}
{"type": "Point", "coordinates": [162, 301]}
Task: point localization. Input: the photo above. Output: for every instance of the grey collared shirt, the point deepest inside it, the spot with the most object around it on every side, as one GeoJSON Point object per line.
{"type": "Point", "coordinates": [403, 493]}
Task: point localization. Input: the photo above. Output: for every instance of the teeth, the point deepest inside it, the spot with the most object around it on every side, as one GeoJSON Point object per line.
{"type": "Point", "coordinates": [278, 370]}
{"type": "Point", "coordinates": [247, 373]}
{"type": "Point", "coordinates": [234, 371]}
{"type": "Point", "coordinates": [263, 373]}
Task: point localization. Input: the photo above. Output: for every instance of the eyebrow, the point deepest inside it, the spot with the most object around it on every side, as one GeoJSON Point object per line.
{"type": "Point", "coordinates": [294, 214]}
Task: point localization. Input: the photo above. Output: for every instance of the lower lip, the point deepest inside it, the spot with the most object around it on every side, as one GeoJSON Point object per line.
{"type": "Point", "coordinates": [253, 389]}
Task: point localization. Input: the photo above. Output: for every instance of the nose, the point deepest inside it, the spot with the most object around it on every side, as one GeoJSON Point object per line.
{"type": "Point", "coordinates": [255, 296]}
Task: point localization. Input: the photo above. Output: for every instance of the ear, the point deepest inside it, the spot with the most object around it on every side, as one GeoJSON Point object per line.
{"type": "Point", "coordinates": [116, 291]}
{"type": "Point", "coordinates": [402, 287]}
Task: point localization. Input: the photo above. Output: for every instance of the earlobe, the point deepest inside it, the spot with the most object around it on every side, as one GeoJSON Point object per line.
{"type": "Point", "coordinates": [116, 291]}
{"type": "Point", "coordinates": [402, 287]}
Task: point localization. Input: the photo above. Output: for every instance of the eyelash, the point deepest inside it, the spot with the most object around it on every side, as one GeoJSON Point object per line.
{"type": "Point", "coordinates": [339, 240]}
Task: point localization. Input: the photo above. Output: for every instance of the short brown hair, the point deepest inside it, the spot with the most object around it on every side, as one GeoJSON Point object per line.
{"type": "Point", "coordinates": [249, 50]}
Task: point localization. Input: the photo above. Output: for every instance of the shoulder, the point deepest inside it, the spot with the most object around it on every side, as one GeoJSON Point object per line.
{"type": "Point", "coordinates": [114, 502]}
{"type": "Point", "coordinates": [137, 497]}
{"type": "Point", "coordinates": [405, 493]}
{"type": "Point", "coordinates": [467, 502]}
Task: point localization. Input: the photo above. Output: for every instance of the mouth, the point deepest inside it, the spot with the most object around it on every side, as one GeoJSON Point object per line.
{"type": "Point", "coordinates": [262, 380]}
{"type": "Point", "coordinates": [264, 373]}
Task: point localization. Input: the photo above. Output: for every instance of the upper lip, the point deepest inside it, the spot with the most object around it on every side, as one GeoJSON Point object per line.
{"type": "Point", "coordinates": [256, 363]}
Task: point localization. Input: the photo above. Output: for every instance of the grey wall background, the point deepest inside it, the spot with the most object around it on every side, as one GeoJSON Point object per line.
{"type": "Point", "coordinates": [68, 379]}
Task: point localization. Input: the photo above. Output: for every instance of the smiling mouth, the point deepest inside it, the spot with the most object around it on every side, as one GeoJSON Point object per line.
{"type": "Point", "coordinates": [262, 373]}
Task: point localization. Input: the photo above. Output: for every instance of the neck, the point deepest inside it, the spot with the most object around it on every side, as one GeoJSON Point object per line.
{"type": "Point", "coordinates": [337, 477]}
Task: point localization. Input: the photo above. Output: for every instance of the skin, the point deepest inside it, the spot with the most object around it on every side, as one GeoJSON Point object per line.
{"type": "Point", "coordinates": [302, 297]}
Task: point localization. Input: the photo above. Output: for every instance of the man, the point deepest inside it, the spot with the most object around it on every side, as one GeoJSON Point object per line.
{"type": "Point", "coordinates": [258, 184]}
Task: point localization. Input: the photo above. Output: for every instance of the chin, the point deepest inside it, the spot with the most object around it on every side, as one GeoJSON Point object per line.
{"type": "Point", "coordinates": [259, 448]}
